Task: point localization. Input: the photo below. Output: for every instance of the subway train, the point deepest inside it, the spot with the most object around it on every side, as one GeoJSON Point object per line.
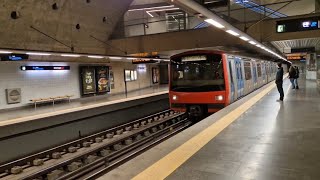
{"type": "Point", "coordinates": [203, 82]}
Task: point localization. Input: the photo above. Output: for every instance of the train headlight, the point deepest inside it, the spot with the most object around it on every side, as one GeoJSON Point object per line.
{"type": "Point", "coordinates": [219, 98]}
{"type": "Point", "coordinates": [174, 97]}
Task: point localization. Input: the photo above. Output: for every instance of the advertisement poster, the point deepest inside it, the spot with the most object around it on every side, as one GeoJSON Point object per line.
{"type": "Point", "coordinates": [88, 80]}
{"type": "Point", "coordinates": [102, 79]}
{"type": "Point", "coordinates": [127, 75]}
{"type": "Point", "coordinates": [155, 75]}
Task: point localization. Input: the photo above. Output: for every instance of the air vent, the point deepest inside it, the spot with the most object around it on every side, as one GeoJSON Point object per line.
{"type": "Point", "coordinates": [13, 95]}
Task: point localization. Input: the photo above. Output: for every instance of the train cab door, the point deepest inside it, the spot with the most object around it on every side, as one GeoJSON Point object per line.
{"type": "Point", "coordinates": [240, 83]}
{"type": "Point", "coordinates": [231, 79]}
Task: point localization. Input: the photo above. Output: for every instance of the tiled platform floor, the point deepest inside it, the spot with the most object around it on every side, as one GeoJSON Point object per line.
{"type": "Point", "coordinates": [271, 141]}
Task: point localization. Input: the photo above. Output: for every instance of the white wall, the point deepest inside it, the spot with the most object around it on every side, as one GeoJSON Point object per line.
{"type": "Point", "coordinates": [37, 84]}
{"type": "Point", "coordinates": [44, 84]}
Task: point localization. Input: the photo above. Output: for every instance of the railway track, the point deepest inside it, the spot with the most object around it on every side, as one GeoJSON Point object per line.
{"type": "Point", "coordinates": [92, 156]}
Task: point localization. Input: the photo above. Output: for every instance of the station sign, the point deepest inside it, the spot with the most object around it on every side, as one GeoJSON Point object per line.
{"type": "Point", "coordinates": [44, 68]}
{"type": "Point", "coordinates": [297, 56]}
{"type": "Point", "coordinates": [14, 57]}
{"type": "Point", "coordinates": [296, 25]}
{"type": "Point", "coordinates": [143, 61]}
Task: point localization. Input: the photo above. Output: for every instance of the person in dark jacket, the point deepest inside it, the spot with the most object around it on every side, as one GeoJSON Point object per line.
{"type": "Point", "coordinates": [292, 76]}
{"type": "Point", "coordinates": [296, 77]}
{"type": "Point", "coordinates": [279, 81]}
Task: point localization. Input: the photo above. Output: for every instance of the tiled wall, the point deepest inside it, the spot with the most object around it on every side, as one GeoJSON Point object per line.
{"type": "Point", "coordinates": [43, 84]}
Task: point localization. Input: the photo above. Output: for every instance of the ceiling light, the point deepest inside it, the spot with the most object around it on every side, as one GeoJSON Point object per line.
{"type": "Point", "coordinates": [115, 57]}
{"type": "Point", "coordinates": [244, 38]}
{"type": "Point", "coordinates": [160, 10]}
{"type": "Point", "coordinates": [232, 33]}
{"type": "Point", "coordinates": [38, 54]}
{"type": "Point", "coordinates": [258, 45]}
{"type": "Point", "coordinates": [70, 55]}
{"type": "Point", "coordinates": [150, 8]}
{"type": "Point", "coordinates": [130, 58]}
{"type": "Point", "coordinates": [96, 57]}
{"type": "Point", "coordinates": [5, 52]}
{"type": "Point", "coordinates": [215, 23]}
{"type": "Point", "coordinates": [252, 42]}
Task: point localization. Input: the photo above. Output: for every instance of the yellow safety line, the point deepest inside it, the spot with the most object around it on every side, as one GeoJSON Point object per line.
{"type": "Point", "coordinates": [165, 166]}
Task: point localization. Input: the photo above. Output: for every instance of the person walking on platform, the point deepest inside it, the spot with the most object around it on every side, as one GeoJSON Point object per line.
{"type": "Point", "coordinates": [279, 81]}
{"type": "Point", "coordinates": [292, 76]}
{"type": "Point", "coordinates": [296, 77]}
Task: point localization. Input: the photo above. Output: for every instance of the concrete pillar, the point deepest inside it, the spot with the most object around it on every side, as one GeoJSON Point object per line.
{"type": "Point", "coordinates": [311, 72]}
{"type": "Point", "coordinates": [318, 71]}
{"type": "Point", "coordinates": [317, 6]}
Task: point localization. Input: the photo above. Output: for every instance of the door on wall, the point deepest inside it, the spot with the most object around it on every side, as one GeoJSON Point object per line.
{"type": "Point", "coordinates": [164, 73]}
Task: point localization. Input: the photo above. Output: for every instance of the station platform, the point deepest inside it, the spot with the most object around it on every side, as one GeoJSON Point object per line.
{"type": "Point", "coordinates": [15, 114]}
{"type": "Point", "coordinates": [253, 138]}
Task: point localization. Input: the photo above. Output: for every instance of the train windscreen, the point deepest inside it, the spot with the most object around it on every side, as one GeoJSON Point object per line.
{"type": "Point", "coordinates": [197, 73]}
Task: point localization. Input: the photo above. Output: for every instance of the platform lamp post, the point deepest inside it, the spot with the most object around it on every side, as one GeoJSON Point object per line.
{"type": "Point", "coordinates": [125, 83]}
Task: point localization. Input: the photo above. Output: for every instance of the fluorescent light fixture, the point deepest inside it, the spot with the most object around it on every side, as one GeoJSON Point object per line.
{"type": "Point", "coordinates": [160, 10]}
{"type": "Point", "coordinates": [252, 42]}
{"type": "Point", "coordinates": [96, 57]}
{"type": "Point", "coordinates": [149, 14]}
{"type": "Point", "coordinates": [38, 54]}
{"type": "Point", "coordinates": [70, 55]}
{"type": "Point", "coordinates": [215, 23]}
{"type": "Point", "coordinates": [5, 52]}
{"type": "Point", "coordinates": [258, 45]}
{"type": "Point", "coordinates": [150, 8]}
{"type": "Point", "coordinates": [232, 33]}
{"type": "Point", "coordinates": [130, 58]}
{"type": "Point", "coordinates": [244, 38]}
{"type": "Point", "coordinates": [114, 57]}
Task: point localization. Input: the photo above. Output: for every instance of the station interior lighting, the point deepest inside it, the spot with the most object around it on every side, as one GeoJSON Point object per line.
{"type": "Point", "coordinates": [235, 32]}
{"type": "Point", "coordinates": [70, 55]}
{"type": "Point", "coordinates": [252, 42]}
{"type": "Point", "coordinates": [244, 38]}
{"type": "Point", "coordinates": [38, 54]}
{"type": "Point", "coordinates": [232, 33]}
{"type": "Point", "coordinates": [215, 23]}
{"type": "Point", "coordinates": [96, 57]}
{"type": "Point", "coordinates": [5, 52]}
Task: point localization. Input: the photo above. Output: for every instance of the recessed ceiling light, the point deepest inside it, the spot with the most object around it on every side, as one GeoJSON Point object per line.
{"type": "Point", "coordinates": [70, 55]}
{"type": "Point", "coordinates": [215, 23]}
{"type": "Point", "coordinates": [232, 33]}
{"type": "Point", "coordinates": [244, 38]}
{"type": "Point", "coordinates": [114, 57]}
{"type": "Point", "coordinates": [38, 54]}
{"type": "Point", "coordinates": [5, 52]}
{"type": "Point", "coordinates": [252, 42]}
{"type": "Point", "coordinates": [96, 57]}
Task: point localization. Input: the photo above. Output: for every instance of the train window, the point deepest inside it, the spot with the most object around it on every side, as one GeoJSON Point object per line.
{"type": "Point", "coordinates": [247, 70]}
{"type": "Point", "coordinates": [259, 69]}
{"type": "Point", "coordinates": [197, 76]}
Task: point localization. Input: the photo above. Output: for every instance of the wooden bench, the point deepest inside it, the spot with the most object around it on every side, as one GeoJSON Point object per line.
{"type": "Point", "coordinates": [50, 100]}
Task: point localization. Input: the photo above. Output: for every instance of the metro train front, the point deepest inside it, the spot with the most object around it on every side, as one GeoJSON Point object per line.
{"type": "Point", "coordinates": [198, 82]}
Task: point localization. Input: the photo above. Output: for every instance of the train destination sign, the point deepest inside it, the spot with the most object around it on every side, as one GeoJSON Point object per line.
{"type": "Point", "coordinates": [44, 68]}
{"type": "Point", "coordinates": [194, 58]}
{"type": "Point", "coordinates": [296, 25]}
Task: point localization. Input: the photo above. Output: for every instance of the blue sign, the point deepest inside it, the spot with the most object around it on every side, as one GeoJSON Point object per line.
{"type": "Point", "coordinates": [41, 68]}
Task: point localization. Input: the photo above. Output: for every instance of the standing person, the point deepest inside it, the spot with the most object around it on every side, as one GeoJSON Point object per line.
{"type": "Point", "coordinates": [296, 77]}
{"type": "Point", "coordinates": [279, 81]}
{"type": "Point", "coordinates": [292, 76]}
